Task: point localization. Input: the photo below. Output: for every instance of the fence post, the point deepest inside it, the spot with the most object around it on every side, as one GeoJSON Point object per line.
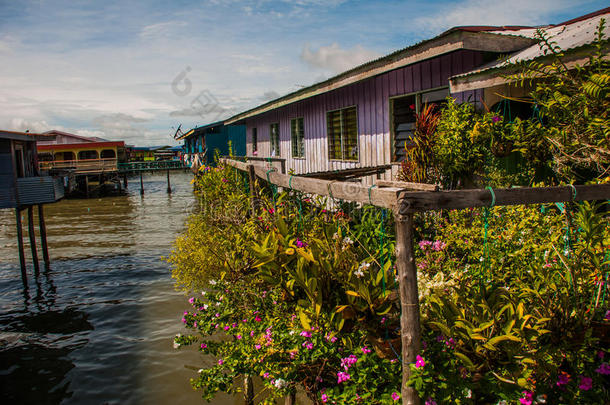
{"type": "Point", "coordinates": [253, 193]}
{"type": "Point", "coordinates": [410, 329]}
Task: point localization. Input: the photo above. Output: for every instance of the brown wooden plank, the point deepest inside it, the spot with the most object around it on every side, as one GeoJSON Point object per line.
{"type": "Point", "coordinates": [407, 185]}
{"type": "Point", "coordinates": [419, 201]}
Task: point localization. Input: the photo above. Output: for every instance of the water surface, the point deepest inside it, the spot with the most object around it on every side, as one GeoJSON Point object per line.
{"type": "Point", "coordinates": [97, 327]}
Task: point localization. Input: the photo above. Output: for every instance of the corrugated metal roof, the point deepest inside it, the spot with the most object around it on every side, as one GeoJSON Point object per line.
{"type": "Point", "coordinates": [575, 34]}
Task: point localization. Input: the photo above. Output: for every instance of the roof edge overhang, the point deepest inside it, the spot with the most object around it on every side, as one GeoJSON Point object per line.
{"type": "Point", "coordinates": [447, 42]}
{"type": "Point", "coordinates": [82, 145]}
{"type": "Point", "coordinates": [194, 131]}
{"type": "Point", "coordinates": [499, 75]}
{"type": "Point", "coordinates": [25, 136]}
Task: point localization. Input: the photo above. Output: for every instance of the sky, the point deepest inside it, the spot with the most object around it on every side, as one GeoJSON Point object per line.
{"type": "Point", "coordinates": [136, 71]}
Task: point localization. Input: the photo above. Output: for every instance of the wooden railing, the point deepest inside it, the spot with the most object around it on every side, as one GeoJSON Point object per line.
{"type": "Point", "coordinates": [151, 165]}
{"type": "Point", "coordinates": [81, 166]}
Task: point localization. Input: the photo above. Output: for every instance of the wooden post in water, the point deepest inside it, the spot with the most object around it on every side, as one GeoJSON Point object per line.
{"type": "Point", "coordinates": [32, 235]}
{"type": "Point", "coordinates": [125, 180]}
{"type": "Point", "coordinates": [409, 301]}
{"type": "Point", "coordinates": [141, 184]}
{"type": "Point", "coordinates": [86, 186]}
{"type": "Point", "coordinates": [43, 237]}
{"type": "Point", "coordinates": [169, 186]}
{"type": "Point", "coordinates": [24, 276]}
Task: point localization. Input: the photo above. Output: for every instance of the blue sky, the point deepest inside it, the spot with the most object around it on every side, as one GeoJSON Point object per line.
{"type": "Point", "coordinates": [132, 71]}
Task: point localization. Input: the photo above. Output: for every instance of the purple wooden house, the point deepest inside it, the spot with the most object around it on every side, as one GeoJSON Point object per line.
{"type": "Point", "coordinates": [362, 117]}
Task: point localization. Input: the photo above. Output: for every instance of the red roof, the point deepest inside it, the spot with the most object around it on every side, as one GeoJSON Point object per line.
{"type": "Point", "coordinates": [88, 145]}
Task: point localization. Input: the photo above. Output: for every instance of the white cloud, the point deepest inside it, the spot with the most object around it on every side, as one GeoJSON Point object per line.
{"type": "Point", "coordinates": [491, 12]}
{"type": "Point", "coordinates": [336, 59]}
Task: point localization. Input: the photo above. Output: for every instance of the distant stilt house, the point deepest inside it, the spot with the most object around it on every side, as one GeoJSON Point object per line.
{"type": "Point", "coordinates": [22, 186]}
{"type": "Point", "coordinates": [203, 142]}
{"type": "Point", "coordinates": [363, 117]}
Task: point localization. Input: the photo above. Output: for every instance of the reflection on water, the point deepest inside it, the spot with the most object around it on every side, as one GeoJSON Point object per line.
{"type": "Point", "coordinates": [97, 327]}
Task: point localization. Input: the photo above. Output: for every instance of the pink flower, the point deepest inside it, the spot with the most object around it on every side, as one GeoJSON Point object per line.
{"type": "Point", "coordinates": [234, 325]}
{"type": "Point", "coordinates": [257, 347]}
{"type": "Point", "coordinates": [191, 300]}
{"type": "Point", "coordinates": [226, 327]}
{"type": "Point", "coordinates": [601, 354]}
{"type": "Point", "coordinates": [341, 376]}
{"type": "Point", "coordinates": [257, 318]}
{"type": "Point", "coordinates": [238, 337]}
{"type": "Point", "coordinates": [217, 315]}
{"type": "Point", "coordinates": [305, 334]}
{"type": "Point", "coordinates": [307, 345]}
{"type": "Point", "coordinates": [527, 398]}
{"type": "Point", "coordinates": [244, 320]}
{"type": "Point", "coordinates": [324, 398]}
{"type": "Point", "coordinates": [204, 346]}
{"type": "Point", "coordinates": [300, 244]}
{"type": "Point", "coordinates": [251, 333]}
{"type": "Point", "coordinates": [266, 375]}
{"type": "Point", "coordinates": [495, 118]}
{"type": "Point", "coordinates": [586, 383]}
{"type": "Point", "coordinates": [395, 396]}
{"type": "Point", "coordinates": [220, 362]}
{"type": "Point", "coordinates": [604, 369]}
{"type": "Point", "coordinates": [438, 245]}
{"type": "Point", "coordinates": [430, 401]}
{"type": "Point", "coordinates": [349, 361]}
{"type": "Point", "coordinates": [366, 350]}
{"type": "Point", "coordinates": [419, 361]}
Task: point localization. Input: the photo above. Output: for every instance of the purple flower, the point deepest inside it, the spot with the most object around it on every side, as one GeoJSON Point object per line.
{"type": "Point", "coordinates": [220, 362]}
{"type": "Point", "coordinates": [305, 334]}
{"type": "Point", "coordinates": [604, 369]}
{"type": "Point", "coordinates": [324, 398]}
{"type": "Point", "coordinates": [395, 396]}
{"type": "Point", "coordinates": [300, 244]}
{"type": "Point", "coordinates": [307, 345]}
{"type": "Point", "coordinates": [419, 361]}
{"type": "Point", "coordinates": [430, 401]}
{"type": "Point", "coordinates": [204, 346]}
{"type": "Point", "coordinates": [226, 327]}
{"type": "Point", "coordinates": [224, 180]}
{"type": "Point", "coordinates": [349, 361]}
{"type": "Point", "coordinates": [495, 118]}
{"type": "Point", "coordinates": [563, 379]}
{"type": "Point", "coordinates": [586, 383]}
{"type": "Point", "coordinates": [266, 375]}
{"type": "Point", "coordinates": [341, 376]}
{"type": "Point", "coordinates": [366, 350]}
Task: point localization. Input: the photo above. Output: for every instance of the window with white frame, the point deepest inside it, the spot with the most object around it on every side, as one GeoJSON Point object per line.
{"type": "Point", "coordinates": [342, 127]}
{"type": "Point", "coordinates": [297, 137]}
{"type": "Point", "coordinates": [274, 139]}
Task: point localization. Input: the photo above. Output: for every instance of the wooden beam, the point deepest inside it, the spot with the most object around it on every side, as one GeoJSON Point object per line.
{"type": "Point", "coordinates": [24, 276]}
{"type": "Point", "coordinates": [43, 237]}
{"type": "Point", "coordinates": [32, 235]}
{"type": "Point", "coordinates": [408, 185]}
{"type": "Point", "coordinates": [410, 329]}
{"type": "Point", "coordinates": [419, 201]}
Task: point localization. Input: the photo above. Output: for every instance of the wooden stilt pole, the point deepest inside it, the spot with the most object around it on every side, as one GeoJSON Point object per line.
{"type": "Point", "coordinates": [248, 390]}
{"type": "Point", "coordinates": [141, 184]}
{"type": "Point", "coordinates": [24, 275]}
{"type": "Point", "coordinates": [125, 180]}
{"type": "Point", "coordinates": [86, 186]}
{"type": "Point", "coordinates": [43, 237]}
{"type": "Point", "coordinates": [32, 235]}
{"type": "Point", "coordinates": [290, 399]}
{"type": "Point", "coordinates": [409, 302]}
{"type": "Point", "coordinates": [169, 186]}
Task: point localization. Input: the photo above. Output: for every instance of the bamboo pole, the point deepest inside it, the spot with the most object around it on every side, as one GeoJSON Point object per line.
{"type": "Point", "coordinates": [32, 235]}
{"type": "Point", "coordinates": [24, 276]}
{"type": "Point", "coordinates": [43, 237]}
{"type": "Point", "coordinates": [410, 329]}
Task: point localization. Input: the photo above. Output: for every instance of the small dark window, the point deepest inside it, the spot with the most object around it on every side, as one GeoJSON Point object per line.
{"type": "Point", "coordinates": [297, 137]}
{"type": "Point", "coordinates": [343, 134]}
{"type": "Point", "coordinates": [254, 141]}
{"type": "Point", "coordinates": [87, 154]}
{"type": "Point", "coordinates": [274, 135]}
{"type": "Point", "coordinates": [108, 154]}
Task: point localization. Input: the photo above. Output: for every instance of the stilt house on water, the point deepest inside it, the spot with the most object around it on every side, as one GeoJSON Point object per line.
{"type": "Point", "coordinates": [22, 186]}
{"type": "Point", "coordinates": [202, 142]}
{"type": "Point", "coordinates": [362, 118]}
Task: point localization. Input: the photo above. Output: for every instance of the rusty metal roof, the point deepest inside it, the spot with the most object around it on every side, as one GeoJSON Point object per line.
{"type": "Point", "coordinates": [571, 35]}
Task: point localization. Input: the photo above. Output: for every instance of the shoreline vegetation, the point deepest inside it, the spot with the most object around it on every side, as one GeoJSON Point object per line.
{"type": "Point", "coordinates": [514, 300]}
